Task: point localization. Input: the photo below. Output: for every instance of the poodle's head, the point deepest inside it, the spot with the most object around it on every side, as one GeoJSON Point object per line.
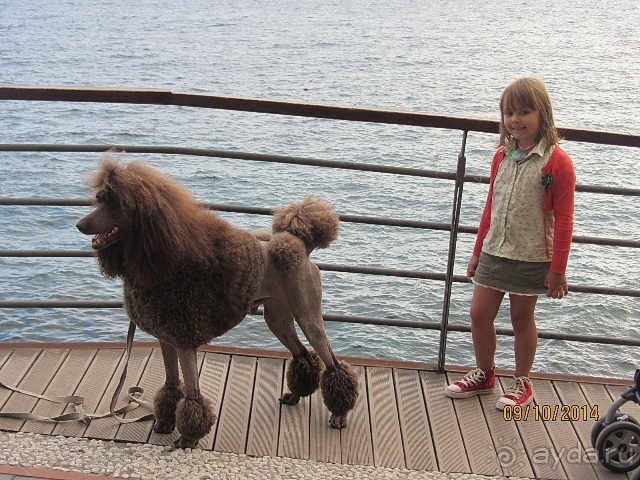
{"type": "Point", "coordinates": [143, 222]}
{"type": "Point", "coordinates": [108, 222]}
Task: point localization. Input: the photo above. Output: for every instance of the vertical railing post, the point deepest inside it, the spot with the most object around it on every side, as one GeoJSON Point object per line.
{"type": "Point", "coordinates": [453, 236]}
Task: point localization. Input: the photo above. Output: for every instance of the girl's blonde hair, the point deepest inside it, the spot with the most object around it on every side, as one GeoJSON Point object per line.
{"type": "Point", "coordinates": [528, 93]}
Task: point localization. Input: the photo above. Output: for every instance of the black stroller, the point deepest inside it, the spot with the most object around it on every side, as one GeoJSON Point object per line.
{"type": "Point", "coordinates": [616, 435]}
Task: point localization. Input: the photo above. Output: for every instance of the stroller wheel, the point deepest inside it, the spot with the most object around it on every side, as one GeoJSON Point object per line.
{"type": "Point", "coordinates": [599, 425]}
{"type": "Point", "coordinates": [618, 446]}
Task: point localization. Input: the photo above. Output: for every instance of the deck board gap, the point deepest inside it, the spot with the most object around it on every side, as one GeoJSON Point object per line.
{"type": "Point", "coordinates": [223, 394]}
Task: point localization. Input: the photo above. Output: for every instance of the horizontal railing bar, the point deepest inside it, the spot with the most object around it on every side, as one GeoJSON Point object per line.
{"type": "Point", "coordinates": [627, 292]}
{"type": "Point", "coordinates": [329, 267]}
{"type": "Point", "coordinates": [167, 97]}
{"type": "Point", "coordinates": [61, 304]}
{"type": "Point", "coordinates": [46, 253]}
{"type": "Point", "coordinates": [383, 221]}
{"type": "Point", "coordinates": [207, 152]}
{"type": "Point", "coordinates": [228, 154]}
{"type": "Point", "coordinates": [45, 202]}
{"type": "Point", "coordinates": [467, 329]}
{"type": "Point", "coordinates": [392, 322]}
{"type": "Point", "coordinates": [388, 272]}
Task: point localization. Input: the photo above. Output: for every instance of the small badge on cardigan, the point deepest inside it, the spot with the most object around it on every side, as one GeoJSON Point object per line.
{"type": "Point", "coordinates": [547, 181]}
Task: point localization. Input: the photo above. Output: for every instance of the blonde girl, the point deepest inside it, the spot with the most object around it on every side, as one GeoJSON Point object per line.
{"type": "Point", "coordinates": [524, 238]}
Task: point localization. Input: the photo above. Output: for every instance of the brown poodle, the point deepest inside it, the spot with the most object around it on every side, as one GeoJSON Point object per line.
{"type": "Point", "coordinates": [189, 276]}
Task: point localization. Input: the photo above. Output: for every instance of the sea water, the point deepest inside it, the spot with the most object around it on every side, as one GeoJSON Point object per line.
{"type": "Point", "coordinates": [432, 56]}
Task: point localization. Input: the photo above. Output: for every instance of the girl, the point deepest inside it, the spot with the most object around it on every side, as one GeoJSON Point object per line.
{"type": "Point", "coordinates": [523, 239]}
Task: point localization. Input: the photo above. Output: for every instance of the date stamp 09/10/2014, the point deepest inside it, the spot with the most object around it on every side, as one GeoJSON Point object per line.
{"type": "Point", "coordinates": [550, 412]}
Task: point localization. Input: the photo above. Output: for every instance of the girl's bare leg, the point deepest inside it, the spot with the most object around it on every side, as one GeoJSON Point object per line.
{"type": "Point", "coordinates": [525, 331]}
{"type": "Point", "coordinates": [484, 309]}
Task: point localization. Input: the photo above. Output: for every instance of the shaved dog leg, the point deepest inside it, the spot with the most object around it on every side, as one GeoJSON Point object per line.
{"type": "Point", "coordinates": [168, 396]}
{"type": "Point", "coordinates": [280, 321]}
{"type": "Point", "coordinates": [194, 413]}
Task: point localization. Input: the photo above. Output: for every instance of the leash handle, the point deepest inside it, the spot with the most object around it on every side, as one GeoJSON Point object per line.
{"type": "Point", "coordinates": [134, 396]}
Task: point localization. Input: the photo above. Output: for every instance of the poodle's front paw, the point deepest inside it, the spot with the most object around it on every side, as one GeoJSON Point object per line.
{"type": "Point", "coordinates": [184, 442]}
{"type": "Point", "coordinates": [164, 406]}
{"type": "Point", "coordinates": [164, 427]}
{"type": "Point", "coordinates": [289, 399]}
{"type": "Point", "coordinates": [338, 421]}
{"type": "Point", "coordinates": [194, 419]}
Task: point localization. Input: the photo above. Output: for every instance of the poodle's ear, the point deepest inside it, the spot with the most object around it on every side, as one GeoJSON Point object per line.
{"type": "Point", "coordinates": [105, 175]}
{"type": "Point", "coordinates": [152, 248]}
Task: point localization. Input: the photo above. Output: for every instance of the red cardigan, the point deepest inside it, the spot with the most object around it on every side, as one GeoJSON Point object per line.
{"type": "Point", "coordinates": [559, 198]}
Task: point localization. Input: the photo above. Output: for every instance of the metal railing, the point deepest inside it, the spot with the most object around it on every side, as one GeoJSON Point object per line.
{"type": "Point", "coordinates": [459, 177]}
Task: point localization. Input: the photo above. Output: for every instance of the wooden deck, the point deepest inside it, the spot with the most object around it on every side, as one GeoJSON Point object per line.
{"type": "Point", "coordinates": [402, 418]}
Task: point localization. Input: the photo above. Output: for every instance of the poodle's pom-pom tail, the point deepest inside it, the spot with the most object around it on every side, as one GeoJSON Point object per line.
{"type": "Point", "coordinates": [313, 220]}
{"type": "Point", "coordinates": [303, 376]}
{"type": "Point", "coordinates": [286, 251]}
{"type": "Point", "coordinates": [195, 417]}
{"type": "Point", "coordinates": [339, 387]}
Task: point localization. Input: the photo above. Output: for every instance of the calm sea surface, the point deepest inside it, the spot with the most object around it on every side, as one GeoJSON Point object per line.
{"type": "Point", "coordinates": [441, 57]}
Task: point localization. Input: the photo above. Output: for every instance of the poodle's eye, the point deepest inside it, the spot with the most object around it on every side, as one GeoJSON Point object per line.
{"type": "Point", "coordinates": [102, 196]}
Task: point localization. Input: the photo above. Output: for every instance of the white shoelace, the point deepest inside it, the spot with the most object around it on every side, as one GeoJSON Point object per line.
{"type": "Point", "coordinates": [473, 377]}
{"type": "Point", "coordinates": [518, 387]}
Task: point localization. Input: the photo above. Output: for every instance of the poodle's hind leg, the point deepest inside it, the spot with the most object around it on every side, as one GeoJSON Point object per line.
{"type": "Point", "coordinates": [340, 390]}
{"type": "Point", "coordinates": [303, 375]}
{"type": "Point", "coordinates": [339, 382]}
{"type": "Point", "coordinates": [194, 413]}
{"type": "Point", "coordinates": [168, 396]}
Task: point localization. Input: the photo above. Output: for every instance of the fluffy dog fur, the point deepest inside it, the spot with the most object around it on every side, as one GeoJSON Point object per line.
{"type": "Point", "coordinates": [189, 276]}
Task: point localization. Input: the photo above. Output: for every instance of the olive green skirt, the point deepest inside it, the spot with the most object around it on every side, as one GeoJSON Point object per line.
{"type": "Point", "coordinates": [511, 276]}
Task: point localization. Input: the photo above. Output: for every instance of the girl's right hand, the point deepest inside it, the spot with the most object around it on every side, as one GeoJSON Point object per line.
{"type": "Point", "coordinates": [473, 263]}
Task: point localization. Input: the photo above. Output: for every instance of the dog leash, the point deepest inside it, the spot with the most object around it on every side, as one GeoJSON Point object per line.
{"type": "Point", "coordinates": [134, 399]}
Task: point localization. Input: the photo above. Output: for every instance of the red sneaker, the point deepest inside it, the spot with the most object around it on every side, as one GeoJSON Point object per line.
{"type": "Point", "coordinates": [520, 392]}
{"type": "Point", "coordinates": [476, 382]}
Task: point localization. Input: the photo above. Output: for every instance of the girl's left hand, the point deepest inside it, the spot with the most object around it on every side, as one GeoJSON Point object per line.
{"type": "Point", "coordinates": [556, 284]}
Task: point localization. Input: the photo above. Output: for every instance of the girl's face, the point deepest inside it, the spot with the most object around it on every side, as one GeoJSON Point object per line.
{"type": "Point", "coordinates": [523, 123]}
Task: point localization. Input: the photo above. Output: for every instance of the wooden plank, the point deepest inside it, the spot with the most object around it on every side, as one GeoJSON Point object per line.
{"type": "Point", "coordinates": [107, 427]}
{"type": "Point", "coordinates": [537, 442]}
{"type": "Point", "coordinates": [233, 423]}
{"type": "Point", "coordinates": [414, 421]}
{"type": "Point", "coordinates": [570, 450]}
{"type": "Point", "coordinates": [571, 395]}
{"type": "Point", "coordinates": [385, 424]}
{"type": "Point", "coordinates": [474, 430]}
{"type": "Point", "coordinates": [4, 356]}
{"type": "Point", "coordinates": [447, 438]}
{"type": "Point", "coordinates": [597, 396]}
{"type": "Point", "coordinates": [324, 441]}
{"type": "Point", "coordinates": [14, 369]}
{"type": "Point", "coordinates": [92, 388]}
{"type": "Point", "coordinates": [265, 410]}
{"type": "Point", "coordinates": [509, 448]}
{"type": "Point", "coordinates": [213, 378]}
{"type": "Point", "coordinates": [36, 380]}
{"type": "Point", "coordinates": [539, 446]}
{"type": "Point", "coordinates": [357, 445]}
{"type": "Point", "coordinates": [294, 428]}
{"type": "Point", "coordinates": [151, 380]}
{"type": "Point", "coordinates": [64, 383]}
